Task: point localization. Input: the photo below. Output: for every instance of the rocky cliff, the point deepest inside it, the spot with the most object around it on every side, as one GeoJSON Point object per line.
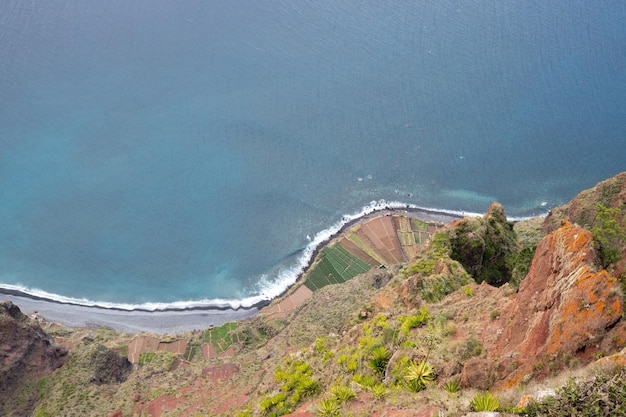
{"type": "Point", "coordinates": [566, 309]}
{"type": "Point", "coordinates": [602, 211]}
{"type": "Point", "coordinates": [26, 355]}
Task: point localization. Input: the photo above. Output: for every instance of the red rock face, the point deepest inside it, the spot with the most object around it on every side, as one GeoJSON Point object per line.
{"type": "Point", "coordinates": [581, 210]}
{"type": "Point", "coordinates": [564, 307]}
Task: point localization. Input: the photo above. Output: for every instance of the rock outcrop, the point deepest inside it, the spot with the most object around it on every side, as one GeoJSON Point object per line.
{"type": "Point", "coordinates": [582, 210]}
{"type": "Point", "coordinates": [482, 244]}
{"type": "Point", "coordinates": [26, 355]}
{"type": "Point", "coordinates": [564, 309]}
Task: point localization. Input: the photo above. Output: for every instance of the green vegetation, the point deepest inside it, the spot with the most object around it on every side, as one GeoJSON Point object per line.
{"type": "Point", "coordinates": [342, 393]}
{"type": "Point", "coordinates": [380, 356]}
{"type": "Point", "coordinates": [608, 234]}
{"type": "Point", "coordinates": [518, 263]}
{"type": "Point", "coordinates": [379, 391]}
{"type": "Point", "coordinates": [482, 246]}
{"type": "Point", "coordinates": [352, 340]}
{"type": "Point", "coordinates": [452, 386]}
{"type": "Point", "coordinates": [411, 322]}
{"type": "Point", "coordinates": [295, 382]}
{"type": "Point", "coordinates": [146, 358]}
{"type": "Point", "coordinates": [221, 337]}
{"type": "Point", "coordinates": [470, 348]}
{"type": "Point", "coordinates": [604, 395]}
{"type": "Point", "coordinates": [438, 275]}
{"type": "Point", "coordinates": [425, 264]}
{"type": "Point", "coordinates": [328, 408]}
{"type": "Point", "coordinates": [484, 402]}
{"type": "Point", "coordinates": [335, 265]}
{"type": "Point", "coordinates": [418, 375]}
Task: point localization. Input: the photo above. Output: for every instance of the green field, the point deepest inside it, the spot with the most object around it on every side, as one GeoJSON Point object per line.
{"type": "Point", "coordinates": [220, 337]}
{"type": "Point", "coordinates": [419, 225]}
{"type": "Point", "coordinates": [336, 265]}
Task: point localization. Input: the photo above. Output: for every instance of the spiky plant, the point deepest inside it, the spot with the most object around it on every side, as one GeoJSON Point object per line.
{"type": "Point", "coordinates": [365, 380]}
{"type": "Point", "coordinates": [308, 386]}
{"type": "Point", "coordinates": [379, 359]}
{"type": "Point", "coordinates": [327, 408]}
{"type": "Point", "coordinates": [452, 386]}
{"type": "Point", "coordinates": [484, 402]}
{"type": "Point", "coordinates": [379, 391]}
{"type": "Point", "coordinates": [343, 393]}
{"type": "Point", "coordinates": [418, 375]}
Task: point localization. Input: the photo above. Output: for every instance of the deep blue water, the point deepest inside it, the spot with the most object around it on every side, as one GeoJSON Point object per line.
{"type": "Point", "coordinates": [160, 151]}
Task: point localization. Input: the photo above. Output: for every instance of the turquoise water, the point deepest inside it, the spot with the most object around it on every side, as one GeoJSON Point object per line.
{"type": "Point", "coordinates": [163, 152]}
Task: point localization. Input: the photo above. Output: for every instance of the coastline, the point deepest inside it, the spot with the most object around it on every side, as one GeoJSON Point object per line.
{"type": "Point", "coordinates": [171, 320]}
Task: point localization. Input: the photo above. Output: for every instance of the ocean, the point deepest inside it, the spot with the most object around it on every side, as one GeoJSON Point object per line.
{"type": "Point", "coordinates": [157, 153]}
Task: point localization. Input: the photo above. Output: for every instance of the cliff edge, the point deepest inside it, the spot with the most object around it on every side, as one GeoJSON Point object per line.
{"type": "Point", "coordinates": [26, 355]}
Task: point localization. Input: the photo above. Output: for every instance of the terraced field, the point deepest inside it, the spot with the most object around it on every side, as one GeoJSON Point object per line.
{"type": "Point", "coordinates": [382, 240]}
{"type": "Point", "coordinates": [335, 265]}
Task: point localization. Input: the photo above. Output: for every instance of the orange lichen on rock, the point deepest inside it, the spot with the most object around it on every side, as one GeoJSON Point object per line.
{"type": "Point", "coordinates": [563, 306]}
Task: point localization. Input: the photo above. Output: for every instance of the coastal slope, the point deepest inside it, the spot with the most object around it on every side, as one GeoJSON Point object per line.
{"type": "Point", "coordinates": [482, 304]}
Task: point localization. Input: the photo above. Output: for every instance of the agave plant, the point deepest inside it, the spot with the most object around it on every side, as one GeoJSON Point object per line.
{"type": "Point", "coordinates": [327, 408]}
{"type": "Point", "coordinates": [379, 391]}
{"type": "Point", "coordinates": [452, 386]}
{"type": "Point", "coordinates": [484, 402]}
{"type": "Point", "coordinates": [379, 359]}
{"type": "Point", "coordinates": [343, 393]}
{"type": "Point", "coordinates": [418, 375]}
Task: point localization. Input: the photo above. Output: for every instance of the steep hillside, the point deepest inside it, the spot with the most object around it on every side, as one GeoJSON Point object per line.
{"type": "Point", "coordinates": [26, 355]}
{"type": "Point", "coordinates": [442, 315]}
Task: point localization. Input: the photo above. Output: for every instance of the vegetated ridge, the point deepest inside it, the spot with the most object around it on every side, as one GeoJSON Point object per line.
{"type": "Point", "coordinates": [477, 315]}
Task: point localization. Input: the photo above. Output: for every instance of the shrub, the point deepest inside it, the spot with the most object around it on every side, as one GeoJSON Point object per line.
{"type": "Point", "coordinates": [412, 322]}
{"type": "Point", "coordinates": [484, 402]}
{"type": "Point", "coordinates": [604, 395]}
{"type": "Point", "coordinates": [470, 348]}
{"type": "Point", "coordinates": [609, 237]}
{"type": "Point", "coordinates": [296, 382]}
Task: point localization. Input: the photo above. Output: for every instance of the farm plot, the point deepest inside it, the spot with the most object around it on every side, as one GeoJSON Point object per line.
{"type": "Point", "coordinates": [335, 265]}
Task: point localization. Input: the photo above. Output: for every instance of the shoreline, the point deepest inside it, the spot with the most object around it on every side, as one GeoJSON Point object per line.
{"type": "Point", "coordinates": [172, 320]}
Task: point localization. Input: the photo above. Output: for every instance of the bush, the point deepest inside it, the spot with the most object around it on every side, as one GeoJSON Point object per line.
{"type": "Point", "coordinates": [605, 395]}
{"type": "Point", "coordinates": [470, 348]}
{"type": "Point", "coordinates": [609, 237]}
{"type": "Point", "coordinates": [411, 322]}
{"type": "Point", "coordinates": [484, 402]}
